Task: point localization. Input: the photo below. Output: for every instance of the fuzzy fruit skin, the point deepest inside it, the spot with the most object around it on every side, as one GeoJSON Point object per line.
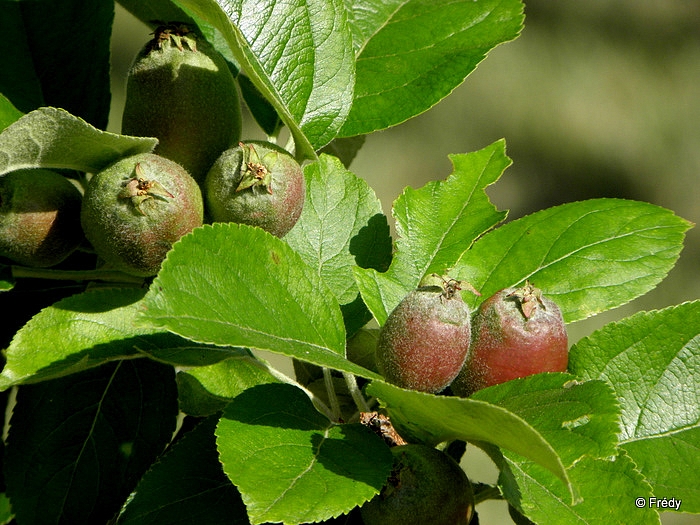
{"type": "Point", "coordinates": [187, 99]}
{"type": "Point", "coordinates": [39, 217]}
{"type": "Point", "coordinates": [276, 212]}
{"type": "Point", "coordinates": [425, 486]}
{"type": "Point", "coordinates": [425, 340]}
{"type": "Point", "coordinates": [135, 239]}
{"type": "Point", "coordinates": [507, 345]}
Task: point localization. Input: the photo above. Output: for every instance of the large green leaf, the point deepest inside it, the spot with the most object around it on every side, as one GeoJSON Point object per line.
{"type": "Point", "coordinates": [342, 226]}
{"type": "Point", "coordinates": [248, 289]}
{"type": "Point", "coordinates": [436, 224]}
{"type": "Point", "coordinates": [434, 419]}
{"type": "Point", "coordinates": [608, 489]}
{"type": "Point", "coordinates": [78, 445]}
{"type": "Point", "coordinates": [84, 331]}
{"type": "Point", "coordinates": [186, 485]}
{"type": "Point", "coordinates": [291, 464]}
{"type": "Point", "coordinates": [413, 53]}
{"type": "Point", "coordinates": [299, 56]}
{"type": "Point", "coordinates": [60, 59]}
{"type": "Point", "coordinates": [587, 256]}
{"type": "Point", "coordinates": [53, 138]}
{"type": "Point", "coordinates": [576, 418]}
{"type": "Point", "coordinates": [652, 360]}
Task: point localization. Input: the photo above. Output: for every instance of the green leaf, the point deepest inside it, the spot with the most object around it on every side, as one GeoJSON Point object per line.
{"type": "Point", "coordinates": [435, 419]}
{"type": "Point", "coordinates": [74, 334]}
{"type": "Point", "coordinates": [587, 256]}
{"type": "Point", "coordinates": [608, 489]}
{"type": "Point", "coordinates": [652, 360]}
{"type": "Point", "coordinates": [436, 225]}
{"type": "Point", "coordinates": [576, 418]}
{"type": "Point", "coordinates": [411, 53]}
{"type": "Point", "coordinates": [81, 332]}
{"type": "Point", "coordinates": [293, 465]}
{"type": "Point", "coordinates": [53, 138]}
{"type": "Point", "coordinates": [248, 289]}
{"type": "Point", "coordinates": [60, 60]}
{"type": "Point", "coordinates": [77, 446]}
{"type": "Point", "coordinates": [206, 390]}
{"type": "Point", "coordinates": [341, 226]}
{"type": "Point", "coordinates": [298, 54]}
{"type": "Point", "coordinates": [8, 113]}
{"type": "Point", "coordinates": [186, 485]}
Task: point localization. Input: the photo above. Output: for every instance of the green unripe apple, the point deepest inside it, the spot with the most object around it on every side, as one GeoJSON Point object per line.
{"type": "Point", "coordinates": [256, 183]}
{"type": "Point", "coordinates": [425, 340]}
{"type": "Point", "coordinates": [180, 90]}
{"type": "Point", "coordinates": [134, 210]}
{"type": "Point", "coordinates": [426, 486]}
{"type": "Point", "coordinates": [39, 217]}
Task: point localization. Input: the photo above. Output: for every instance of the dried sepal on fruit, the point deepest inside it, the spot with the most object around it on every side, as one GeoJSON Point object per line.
{"type": "Point", "coordinates": [425, 340]}
{"type": "Point", "coordinates": [256, 183]}
{"type": "Point", "coordinates": [139, 189]}
{"type": "Point", "coordinates": [134, 210]}
{"type": "Point", "coordinates": [516, 332]}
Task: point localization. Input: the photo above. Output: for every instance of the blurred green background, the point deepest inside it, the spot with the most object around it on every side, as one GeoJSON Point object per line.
{"type": "Point", "coordinates": [595, 99]}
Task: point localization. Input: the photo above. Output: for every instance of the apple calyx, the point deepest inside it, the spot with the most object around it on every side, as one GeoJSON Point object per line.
{"type": "Point", "coordinates": [257, 171]}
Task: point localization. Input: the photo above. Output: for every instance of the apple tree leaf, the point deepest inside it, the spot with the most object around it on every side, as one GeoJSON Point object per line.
{"type": "Point", "coordinates": [587, 256]}
{"type": "Point", "coordinates": [53, 138]}
{"type": "Point", "coordinates": [186, 485]}
{"type": "Point", "coordinates": [78, 445]}
{"type": "Point", "coordinates": [248, 289]}
{"type": "Point", "coordinates": [86, 330]}
{"type": "Point", "coordinates": [608, 489]}
{"type": "Point", "coordinates": [290, 463]}
{"type": "Point", "coordinates": [411, 53]}
{"type": "Point", "coordinates": [341, 226]}
{"type": "Point", "coordinates": [435, 419]}
{"type": "Point", "coordinates": [652, 360]}
{"type": "Point", "coordinates": [436, 224]}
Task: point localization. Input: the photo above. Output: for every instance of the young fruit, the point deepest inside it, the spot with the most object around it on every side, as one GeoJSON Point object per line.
{"type": "Point", "coordinates": [134, 210]}
{"type": "Point", "coordinates": [425, 340]}
{"type": "Point", "coordinates": [39, 217]}
{"type": "Point", "coordinates": [256, 183]}
{"type": "Point", "coordinates": [515, 333]}
{"type": "Point", "coordinates": [180, 90]}
{"type": "Point", "coordinates": [425, 486]}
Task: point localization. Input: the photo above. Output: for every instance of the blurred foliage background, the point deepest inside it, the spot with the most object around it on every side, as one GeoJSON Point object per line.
{"type": "Point", "coordinates": [595, 99]}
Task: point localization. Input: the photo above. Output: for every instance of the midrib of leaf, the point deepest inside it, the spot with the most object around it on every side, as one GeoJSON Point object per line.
{"type": "Point", "coordinates": [543, 266]}
{"type": "Point", "coordinates": [660, 435]}
{"type": "Point", "coordinates": [88, 438]}
{"type": "Point", "coordinates": [313, 462]}
{"type": "Point", "coordinates": [546, 489]}
{"type": "Point", "coordinates": [380, 27]}
{"type": "Point", "coordinates": [439, 245]}
{"type": "Point", "coordinates": [248, 330]}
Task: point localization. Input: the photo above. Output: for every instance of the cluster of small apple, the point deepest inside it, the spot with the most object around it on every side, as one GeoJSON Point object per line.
{"type": "Point", "coordinates": [181, 91]}
{"type": "Point", "coordinates": [431, 340]}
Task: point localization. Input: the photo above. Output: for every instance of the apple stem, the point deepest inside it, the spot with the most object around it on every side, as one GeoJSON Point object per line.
{"type": "Point", "coordinates": [332, 397]}
{"type": "Point", "coordinates": [317, 402]}
{"type": "Point", "coordinates": [483, 492]}
{"type": "Point", "coordinates": [356, 393]}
